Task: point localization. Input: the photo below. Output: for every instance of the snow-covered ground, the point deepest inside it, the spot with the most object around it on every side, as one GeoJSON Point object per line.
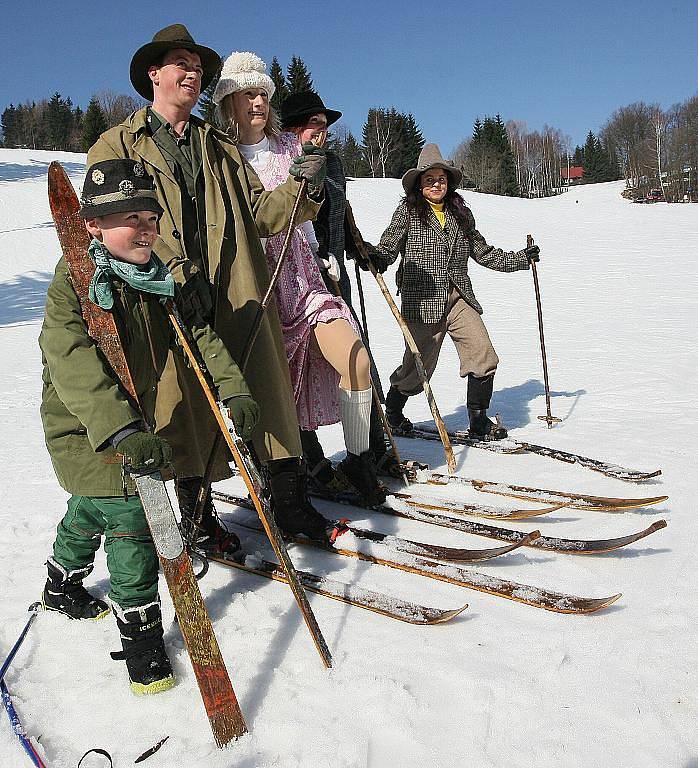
{"type": "Point", "coordinates": [502, 685]}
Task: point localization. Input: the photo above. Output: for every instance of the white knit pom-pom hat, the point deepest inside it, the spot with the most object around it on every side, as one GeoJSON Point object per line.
{"type": "Point", "coordinates": [243, 69]}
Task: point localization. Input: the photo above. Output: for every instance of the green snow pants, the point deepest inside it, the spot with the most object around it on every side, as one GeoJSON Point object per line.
{"type": "Point", "coordinates": [131, 558]}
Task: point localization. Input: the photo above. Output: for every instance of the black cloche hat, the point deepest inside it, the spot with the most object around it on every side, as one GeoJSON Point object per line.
{"type": "Point", "coordinates": [114, 186]}
{"type": "Point", "coordinates": [167, 39]}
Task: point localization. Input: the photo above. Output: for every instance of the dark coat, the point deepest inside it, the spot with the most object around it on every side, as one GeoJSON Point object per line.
{"type": "Point", "coordinates": [435, 257]}
{"type": "Point", "coordinates": [82, 404]}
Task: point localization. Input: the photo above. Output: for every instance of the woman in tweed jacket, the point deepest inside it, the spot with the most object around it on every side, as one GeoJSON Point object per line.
{"type": "Point", "coordinates": [435, 233]}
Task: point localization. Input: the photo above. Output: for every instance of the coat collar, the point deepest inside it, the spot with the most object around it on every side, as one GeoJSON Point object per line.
{"type": "Point", "coordinates": [143, 144]}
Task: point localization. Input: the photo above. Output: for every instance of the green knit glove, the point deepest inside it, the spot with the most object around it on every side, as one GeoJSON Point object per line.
{"type": "Point", "coordinates": [244, 412]}
{"type": "Point", "coordinates": [145, 451]}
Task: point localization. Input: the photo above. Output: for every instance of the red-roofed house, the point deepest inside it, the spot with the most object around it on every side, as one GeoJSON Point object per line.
{"type": "Point", "coordinates": [576, 174]}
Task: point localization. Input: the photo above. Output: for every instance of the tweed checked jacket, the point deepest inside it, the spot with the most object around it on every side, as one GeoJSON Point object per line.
{"type": "Point", "coordinates": [434, 257]}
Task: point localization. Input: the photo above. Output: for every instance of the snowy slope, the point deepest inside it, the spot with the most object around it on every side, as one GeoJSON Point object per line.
{"type": "Point", "coordinates": [504, 684]}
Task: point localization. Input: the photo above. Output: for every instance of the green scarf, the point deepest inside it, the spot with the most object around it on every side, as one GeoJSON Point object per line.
{"type": "Point", "coordinates": [153, 277]}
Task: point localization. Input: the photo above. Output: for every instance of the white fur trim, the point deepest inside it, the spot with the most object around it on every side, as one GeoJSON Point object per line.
{"type": "Point", "coordinates": [243, 69]}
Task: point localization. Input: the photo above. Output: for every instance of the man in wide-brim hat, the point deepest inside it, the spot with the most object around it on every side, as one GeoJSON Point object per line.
{"type": "Point", "coordinates": [215, 211]}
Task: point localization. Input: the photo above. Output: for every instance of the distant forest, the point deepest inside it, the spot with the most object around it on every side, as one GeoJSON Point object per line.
{"type": "Point", "coordinates": [649, 147]}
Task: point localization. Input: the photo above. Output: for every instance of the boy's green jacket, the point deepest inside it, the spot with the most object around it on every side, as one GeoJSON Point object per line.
{"type": "Point", "coordinates": [82, 404]}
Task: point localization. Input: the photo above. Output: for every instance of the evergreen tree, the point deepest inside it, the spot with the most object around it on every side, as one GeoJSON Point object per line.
{"type": "Point", "coordinates": [578, 157]}
{"type": "Point", "coordinates": [277, 76]}
{"type": "Point", "coordinates": [298, 78]}
{"type": "Point", "coordinates": [413, 141]}
{"type": "Point", "coordinates": [206, 107]}
{"type": "Point", "coordinates": [9, 126]}
{"type": "Point", "coordinates": [353, 158]}
{"type": "Point", "coordinates": [509, 184]}
{"type": "Point", "coordinates": [59, 122]}
{"type": "Point", "coordinates": [76, 131]}
{"type": "Point", "coordinates": [93, 124]}
{"type": "Point", "coordinates": [592, 170]}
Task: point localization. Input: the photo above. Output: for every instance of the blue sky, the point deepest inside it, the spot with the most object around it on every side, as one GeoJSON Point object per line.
{"type": "Point", "coordinates": [568, 64]}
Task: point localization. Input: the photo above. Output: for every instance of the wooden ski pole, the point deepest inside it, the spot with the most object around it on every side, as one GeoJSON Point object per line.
{"type": "Point", "coordinates": [252, 336]}
{"type": "Point", "coordinates": [409, 339]}
{"type": "Point", "coordinates": [549, 418]}
{"type": "Point", "coordinates": [254, 484]}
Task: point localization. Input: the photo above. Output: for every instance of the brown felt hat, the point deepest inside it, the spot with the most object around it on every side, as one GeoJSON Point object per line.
{"type": "Point", "coordinates": [430, 157]}
{"type": "Point", "coordinates": [168, 39]}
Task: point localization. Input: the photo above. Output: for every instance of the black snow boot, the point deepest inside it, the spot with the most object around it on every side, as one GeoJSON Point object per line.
{"type": "Point", "coordinates": [394, 403]}
{"type": "Point", "coordinates": [64, 593]}
{"type": "Point", "coordinates": [210, 537]}
{"type": "Point", "coordinates": [143, 651]}
{"type": "Point", "coordinates": [360, 471]}
{"type": "Point", "coordinates": [479, 396]}
{"type": "Point", "coordinates": [293, 512]}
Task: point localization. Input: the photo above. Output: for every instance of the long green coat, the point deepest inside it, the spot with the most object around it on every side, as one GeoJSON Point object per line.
{"type": "Point", "coordinates": [238, 212]}
{"type": "Point", "coordinates": [82, 404]}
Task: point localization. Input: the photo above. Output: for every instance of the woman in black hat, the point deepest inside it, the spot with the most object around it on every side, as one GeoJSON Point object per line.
{"type": "Point", "coordinates": [434, 231]}
{"type": "Point", "coordinates": [328, 363]}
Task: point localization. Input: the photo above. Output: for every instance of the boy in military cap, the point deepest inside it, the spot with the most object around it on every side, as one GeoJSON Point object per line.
{"type": "Point", "coordinates": [89, 421]}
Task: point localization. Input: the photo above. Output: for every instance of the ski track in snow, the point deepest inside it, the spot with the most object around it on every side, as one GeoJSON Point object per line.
{"type": "Point", "coordinates": [503, 684]}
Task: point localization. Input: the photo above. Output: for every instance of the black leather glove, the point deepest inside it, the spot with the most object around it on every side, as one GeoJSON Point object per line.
{"type": "Point", "coordinates": [145, 451]}
{"type": "Point", "coordinates": [311, 165]}
{"type": "Point", "coordinates": [533, 253]}
{"type": "Point", "coordinates": [244, 413]}
{"type": "Point", "coordinates": [373, 257]}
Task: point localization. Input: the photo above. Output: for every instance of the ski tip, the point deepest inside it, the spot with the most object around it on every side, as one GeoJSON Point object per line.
{"type": "Point", "coordinates": [657, 525]}
{"type": "Point", "coordinates": [445, 616]}
{"type": "Point", "coordinates": [532, 536]}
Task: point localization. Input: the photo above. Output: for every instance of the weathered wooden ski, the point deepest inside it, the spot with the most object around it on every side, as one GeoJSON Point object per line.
{"type": "Point", "coordinates": [510, 445]}
{"type": "Point", "coordinates": [351, 594]}
{"type": "Point", "coordinates": [549, 543]}
{"type": "Point", "coordinates": [395, 543]}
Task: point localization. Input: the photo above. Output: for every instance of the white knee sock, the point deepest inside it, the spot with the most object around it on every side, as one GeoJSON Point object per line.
{"type": "Point", "coordinates": [355, 407]}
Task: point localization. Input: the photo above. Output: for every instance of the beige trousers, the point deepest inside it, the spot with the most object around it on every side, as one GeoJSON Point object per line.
{"type": "Point", "coordinates": [469, 335]}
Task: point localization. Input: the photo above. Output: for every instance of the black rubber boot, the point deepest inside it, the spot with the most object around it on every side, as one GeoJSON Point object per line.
{"type": "Point", "coordinates": [293, 512]}
{"type": "Point", "coordinates": [394, 403]}
{"type": "Point", "coordinates": [143, 651]}
{"type": "Point", "coordinates": [64, 593]}
{"type": "Point", "coordinates": [479, 396]}
{"type": "Point", "coordinates": [211, 536]}
{"type": "Point", "coordinates": [360, 471]}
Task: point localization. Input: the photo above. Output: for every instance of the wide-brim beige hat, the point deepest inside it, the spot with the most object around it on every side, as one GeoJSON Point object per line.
{"type": "Point", "coordinates": [168, 39]}
{"type": "Point", "coordinates": [430, 157]}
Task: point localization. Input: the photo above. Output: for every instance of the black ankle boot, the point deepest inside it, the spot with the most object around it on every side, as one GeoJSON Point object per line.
{"type": "Point", "coordinates": [479, 396]}
{"type": "Point", "coordinates": [64, 593]}
{"type": "Point", "coordinates": [293, 512]}
{"type": "Point", "coordinates": [143, 651]}
{"type": "Point", "coordinates": [483, 428]}
{"type": "Point", "coordinates": [394, 403]}
{"type": "Point", "coordinates": [360, 471]}
{"type": "Point", "coordinates": [210, 535]}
